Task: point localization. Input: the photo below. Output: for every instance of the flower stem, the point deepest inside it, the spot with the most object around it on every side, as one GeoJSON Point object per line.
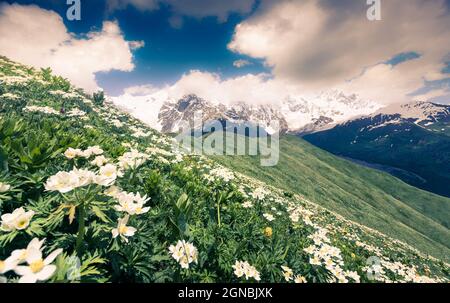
{"type": "Point", "coordinates": [218, 213]}
{"type": "Point", "coordinates": [81, 229]}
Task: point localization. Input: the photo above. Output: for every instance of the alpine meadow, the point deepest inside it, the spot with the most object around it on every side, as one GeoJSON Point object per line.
{"type": "Point", "coordinates": [82, 180]}
{"type": "Point", "coordinates": [224, 150]}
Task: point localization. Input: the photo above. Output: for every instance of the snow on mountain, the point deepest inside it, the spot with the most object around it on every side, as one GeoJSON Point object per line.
{"type": "Point", "coordinates": [295, 115]}
{"type": "Point", "coordinates": [424, 113]}
{"type": "Point", "coordinates": [144, 108]}
{"type": "Point", "coordinates": [315, 113]}
{"type": "Point", "coordinates": [173, 113]}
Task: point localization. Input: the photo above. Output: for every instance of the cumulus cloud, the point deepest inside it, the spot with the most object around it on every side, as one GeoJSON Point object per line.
{"type": "Point", "coordinates": [241, 63]}
{"type": "Point", "coordinates": [252, 89]}
{"type": "Point", "coordinates": [432, 95]}
{"type": "Point", "coordinates": [141, 90]}
{"type": "Point", "coordinates": [38, 37]}
{"type": "Point", "coordinates": [323, 43]}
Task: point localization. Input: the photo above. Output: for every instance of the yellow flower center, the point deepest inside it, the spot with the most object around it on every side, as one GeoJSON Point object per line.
{"type": "Point", "coordinates": [37, 266]}
{"type": "Point", "coordinates": [2, 265]}
{"type": "Point", "coordinates": [22, 223]}
{"type": "Point", "coordinates": [123, 229]}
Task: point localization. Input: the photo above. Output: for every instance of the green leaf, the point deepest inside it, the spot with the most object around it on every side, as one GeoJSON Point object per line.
{"type": "Point", "coordinates": [100, 214]}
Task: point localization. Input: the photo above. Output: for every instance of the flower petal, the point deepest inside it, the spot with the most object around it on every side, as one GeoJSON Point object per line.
{"type": "Point", "coordinates": [23, 270]}
{"type": "Point", "coordinates": [46, 273]}
{"type": "Point", "coordinates": [31, 278]}
{"type": "Point", "coordinates": [52, 256]}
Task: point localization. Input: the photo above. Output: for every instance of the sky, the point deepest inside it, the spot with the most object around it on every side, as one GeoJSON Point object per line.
{"type": "Point", "coordinates": [238, 50]}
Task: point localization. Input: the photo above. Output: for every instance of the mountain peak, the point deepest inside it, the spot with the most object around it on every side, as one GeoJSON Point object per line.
{"type": "Point", "coordinates": [418, 111]}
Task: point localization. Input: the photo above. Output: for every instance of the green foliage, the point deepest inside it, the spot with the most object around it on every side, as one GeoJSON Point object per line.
{"type": "Point", "coordinates": [222, 219]}
{"type": "Point", "coordinates": [99, 98]}
{"type": "Point", "coordinates": [367, 196]}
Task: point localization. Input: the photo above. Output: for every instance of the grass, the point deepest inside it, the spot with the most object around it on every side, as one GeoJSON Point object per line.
{"type": "Point", "coordinates": [361, 194]}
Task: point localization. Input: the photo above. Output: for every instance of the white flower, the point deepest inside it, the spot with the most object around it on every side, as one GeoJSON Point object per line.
{"type": "Point", "coordinates": [300, 279]}
{"type": "Point", "coordinates": [20, 255]}
{"type": "Point", "coordinates": [133, 204]}
{"type": "Point", "coordinates": [85, 177]}
{"type": "Point", "coordinates": [7, 265]}
{"type": "Point", "coordinates": [310, 249]}
{"type": "Point", "coordinates": [107, 175]}
{"type": "Point", "coordinates": [37, 268]}
{"type": "Point", "coordinates": [184, 253]}
{"type": "Point", "coordinates": [76, 113]}
{"type": "Point", "coordinates": [72, 153]}
{"type": "Point", "coordinates": [287, 273]}
{"type": "Point", "coordinates": [314, 261]}
{"type": "Point", "coordinates": [112, 191]}
{"type": "Point", "coordinates": [259, 193]}
{"type": "Point", "coordinates": [247, 204]}
{"type": "Point", "coordinates": [4, 187]}
{"type": "Point", "coordinates": [353, 275]}
{"type": "Point", "coordinates": [99, 161]}
{"type": "Point", "coordinates": [17, 220]}
{"type": "Point", "coordinates": [123, 230]}
{"type": "Point", "coordinates": [63, 182]}
{"type": "Point", "coordinates": [222, 173]}
{"type": "Point", "coordinates": [10, 96]}
{"type": "Point", "coordinates": [242, 268]}
{"type": "Point", "coordinates": [94, 150]}
{"type": "Point", "coordinates": [269, 217]}
{"type": "Point", "coordinates": [85, 153]}
{"type": "Point", "coordinates": [132, 159]}
{"type": "Point", "coordinates": [139, 204]}
{"type": "Point", "coordinates": [45, 109]}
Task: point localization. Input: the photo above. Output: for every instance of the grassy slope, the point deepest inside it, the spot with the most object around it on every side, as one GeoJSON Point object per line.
{"type": "Point", "coordinates": [369, 197]}
{"type": "Point", "coordinates": [401, 146]}
{"type": "Point", "coordinates": [188, 201]}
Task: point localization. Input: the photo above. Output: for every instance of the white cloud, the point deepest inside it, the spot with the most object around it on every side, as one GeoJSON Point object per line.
{"type": "Point", "coordinates": [433, 94]}
{"type": "Point", "coordinates": [241, 63]}
{"type": "Point", "coordinates": [318, 44]}
{"type": "Point", "coordinates": [253, 89]}
{"type": "Point", "coordinates": [38, 37]}
{"type": "Point", "coordinates": [136, 44]}
{"type": "Point", "coordinates": [141, 90]}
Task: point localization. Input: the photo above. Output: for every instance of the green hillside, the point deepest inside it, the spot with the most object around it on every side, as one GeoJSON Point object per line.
{"type": "Point", "coordinates": [364, 195]}
{"type": "Point", "coordinates": [416, 154]}
{"type": "Point", "coordinates": [90, 194]}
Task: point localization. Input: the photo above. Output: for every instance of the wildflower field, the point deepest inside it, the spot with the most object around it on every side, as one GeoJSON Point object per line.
{"type": "Point", "coordinates": [90, 194]}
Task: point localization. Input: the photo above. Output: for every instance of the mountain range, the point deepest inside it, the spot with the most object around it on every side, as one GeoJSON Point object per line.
{"type": "Point", "coordinates": [298, 116]}
{"type": "Point", "coordinates": [407, 140]}
{"type": "Point", "coordinates": [411, 141]}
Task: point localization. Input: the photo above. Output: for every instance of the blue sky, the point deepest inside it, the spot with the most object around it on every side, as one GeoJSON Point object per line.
{"type": "Point", "coordinates": [169, 52]}
{"type": "Point", "coordinates": [396, 61]}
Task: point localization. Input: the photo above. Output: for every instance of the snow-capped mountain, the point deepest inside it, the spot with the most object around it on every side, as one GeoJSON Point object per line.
{"type": "Point", "coordinates": [421, 113]}
{"type": "Point", "coordinates": [306, 115]}
{"type": "Point", "coordinates": [173, 113]}
{"type": "Point", "coordinates": [296, 115]}
{"type": "Point", "coordinates": [410, 141]}
{"type": "Point", "coordinates": [427, 115]}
